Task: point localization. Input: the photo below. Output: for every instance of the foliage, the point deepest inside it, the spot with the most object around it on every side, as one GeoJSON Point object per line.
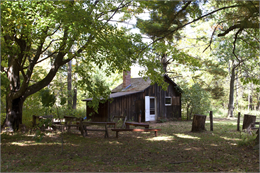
{"type": "Point", "coordinates": [47, 99]}
{"type": "Point", "coordinates": [44, 123]}
{"type": "Point", "coordinates": [247, 140]}
{"type": "Point", "coordinates": [56, 32]}
{"type": "Point", "coordinates": [195, 100]}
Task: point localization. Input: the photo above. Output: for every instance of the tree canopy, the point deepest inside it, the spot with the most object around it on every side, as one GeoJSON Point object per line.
{"type": "Point", "coordinates": [58, 31]}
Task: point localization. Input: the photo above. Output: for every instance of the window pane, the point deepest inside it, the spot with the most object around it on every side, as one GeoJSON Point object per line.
{"type": "Point", "coordinates": [168, 101]}
{"type": "Point", "coordinates": [152, 103]}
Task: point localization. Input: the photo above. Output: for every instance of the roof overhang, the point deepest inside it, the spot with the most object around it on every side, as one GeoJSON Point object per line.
{"type": "Point", "coordinates": [118, 94]}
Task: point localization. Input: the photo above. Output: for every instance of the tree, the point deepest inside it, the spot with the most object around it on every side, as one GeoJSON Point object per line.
{"type": "Point", "coordinates": [195, 99]}
{"type": "Point", "coordinates": [37, 31]}
{"type": "Point", "coordinates": [240, 65]}
{"type": "Point", "coordinates": [166, 16]}
{"type": "Point", "coordinates": [237, 18]}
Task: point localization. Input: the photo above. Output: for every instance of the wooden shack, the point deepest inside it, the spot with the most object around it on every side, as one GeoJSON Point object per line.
{"type": "Point", "coordinates": [137, 96]}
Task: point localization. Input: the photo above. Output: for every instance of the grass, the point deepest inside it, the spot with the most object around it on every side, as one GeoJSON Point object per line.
{"type": "Point", "coordinates": [176, 149]}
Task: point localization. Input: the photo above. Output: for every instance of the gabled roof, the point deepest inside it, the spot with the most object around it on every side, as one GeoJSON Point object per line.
{"type": "Point", "coordinates": [137, 84]}
{"type": "Point", "coordinates": [114, 95]}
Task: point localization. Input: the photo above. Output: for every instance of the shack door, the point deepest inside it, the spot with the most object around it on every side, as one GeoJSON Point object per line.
{"type": "Point", "coordinates": [150, 108]}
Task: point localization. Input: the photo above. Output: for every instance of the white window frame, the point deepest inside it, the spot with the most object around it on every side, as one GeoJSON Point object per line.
{"type": "Point", "coordinates": [168, 98]}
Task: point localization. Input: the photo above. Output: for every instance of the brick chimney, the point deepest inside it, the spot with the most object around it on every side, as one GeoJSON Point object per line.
{"type": "Point", "coordinates": [126, 78]}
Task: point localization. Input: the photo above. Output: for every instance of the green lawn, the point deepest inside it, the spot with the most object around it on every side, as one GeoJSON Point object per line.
{"type": "Point", "coordinates": [175, 149]}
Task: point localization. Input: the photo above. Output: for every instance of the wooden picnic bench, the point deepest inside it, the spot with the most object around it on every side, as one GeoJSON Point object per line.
{"type": "Point", "coordinates": [85, 128]}
{"type": "Point", "coordinates": [136, 130]}
{"type": "Point", "coordinates": [118, 118]}
{"type": "Point", "coordinates": [43, 128]}
{"type": "Point", "coordinates": [136, 124]}
{"type": "Point", "coordinates": [72, 122]}
{"type": "Point", "coordinates": [35, 118]}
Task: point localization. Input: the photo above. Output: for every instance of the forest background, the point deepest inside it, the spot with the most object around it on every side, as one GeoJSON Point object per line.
{"type": "Point", "coordinates": [213, 58]}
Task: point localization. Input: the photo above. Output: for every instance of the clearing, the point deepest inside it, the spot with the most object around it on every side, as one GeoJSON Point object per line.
{"type": "Point", "coordinates": [175, 149]}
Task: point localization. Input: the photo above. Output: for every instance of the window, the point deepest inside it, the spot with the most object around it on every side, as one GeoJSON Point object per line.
{"type": "Point", "coordinates": [168, 101]}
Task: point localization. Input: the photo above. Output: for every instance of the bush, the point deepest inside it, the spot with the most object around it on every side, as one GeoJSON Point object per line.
{"type": "Point", "coordinates": [195, 100]}
{"type": "Point", "coordinates": [247, 140]}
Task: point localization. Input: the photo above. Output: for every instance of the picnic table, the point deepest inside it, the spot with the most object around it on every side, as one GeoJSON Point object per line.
{"type": "Point", "coordinates": [145, 125]}
{"type": "Point", "coordinates": [136, 130]}
{"type": "Point", "coordinates": [128, 124]}
{"type": "Point", "coordinates": [86, 125]}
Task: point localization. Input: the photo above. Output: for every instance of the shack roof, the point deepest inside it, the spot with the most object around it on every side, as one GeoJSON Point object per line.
{"type": "Point", "coordinates": [118, 94]}
{"type": "Point", "coordinates": [137, 84]}
{"type": "Point", "coordinates": [140, 84]}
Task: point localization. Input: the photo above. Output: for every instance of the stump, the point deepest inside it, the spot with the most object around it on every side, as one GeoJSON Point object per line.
{"type": "Point", "coordinates": [248, 120]}
{"type": "Point", "coordinates": [198, 123]}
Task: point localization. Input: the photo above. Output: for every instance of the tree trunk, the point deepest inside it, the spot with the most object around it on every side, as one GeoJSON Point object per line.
{"type": "Point", "coordinates": [69, 86]}
{"type": "Point", "coordinates": [231, 93]}
{"type": "Point", "coordinates": [14, 114]}
{"type": "Point", "coordinates": [198, 123]}
{"type": "Point", "coordinates": [248, 120]}
{"type": "Point", "coordinates": [237, 90]}
{"type": "Point", "coordinates": [74, 106]}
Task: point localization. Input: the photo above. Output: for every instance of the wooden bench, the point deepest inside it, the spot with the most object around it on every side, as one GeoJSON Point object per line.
{"type": "Point", "coordinates": [118, 118]}
{"type": "Point", "coordinates": [43, 128]}
{"type": "Point", "coordinates": [35, 118]}
{"type": "Point", "coordinates": [72, 122]}
{"type": "Point", "coordinates": [84, 126]}
{"type": "Point", "coordinates": [136, 130]}
{"type": "Point", "coordinates": [136, 124]}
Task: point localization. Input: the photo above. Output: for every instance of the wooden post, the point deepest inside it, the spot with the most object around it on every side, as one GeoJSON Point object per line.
{"type": "Point", "coordinates": [198, 123]}
{"type": "Point", "coordinates": [211, 120]}
{"type": "Point", "coordinates": [34, 121]}
{"type": "Point", "coordinates": [140, 115]}
{"type": "Point", "coordinates": [238, 121]}
{"type": "Point", "coordinates": [248, 120]}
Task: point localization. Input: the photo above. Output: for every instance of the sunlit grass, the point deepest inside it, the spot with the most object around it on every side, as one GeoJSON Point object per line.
{"type": "Point", "coordinates": [186, 136]}
{"type": "Point", "coordinates": [115, 142]}
{"type": "Point", "coordinates": [161, 138]}
{"type": "Point", "coordinates": [229, 139]}
{"type": "Point", "coordinates": [31, 143]}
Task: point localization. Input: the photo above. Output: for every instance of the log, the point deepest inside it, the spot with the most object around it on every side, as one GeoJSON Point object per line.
{"type": "Point", "coordinates": [198, 123]}
{"type": "Point", "coordinates": [248, 120]}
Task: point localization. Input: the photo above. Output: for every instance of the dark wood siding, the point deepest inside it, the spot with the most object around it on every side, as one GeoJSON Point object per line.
{"type": "Point", "coordinates": [169, 112]}
{"type": "Point", "coordinates": [129, 105]}
{"type": "Point", "coordinates": [102, 114]}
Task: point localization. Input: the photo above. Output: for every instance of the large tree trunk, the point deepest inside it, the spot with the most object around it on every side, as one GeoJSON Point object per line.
{"type": "Point", "coordinates": [231, 93]}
